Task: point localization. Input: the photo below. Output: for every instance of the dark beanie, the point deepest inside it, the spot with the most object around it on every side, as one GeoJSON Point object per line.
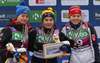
{"type": "Point", "coordinates": [48, 13]}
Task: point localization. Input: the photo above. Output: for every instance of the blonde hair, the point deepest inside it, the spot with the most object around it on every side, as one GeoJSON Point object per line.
{"type": "Point", "coordinates": [24, 31]}
{"type": "Point", "coordinates": [84, 23]}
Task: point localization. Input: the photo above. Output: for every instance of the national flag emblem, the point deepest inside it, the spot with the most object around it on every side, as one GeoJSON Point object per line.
{"type": "Point", "coordinates": [38, 31]}
{"type": "Point", "coordinates": [93, 37]}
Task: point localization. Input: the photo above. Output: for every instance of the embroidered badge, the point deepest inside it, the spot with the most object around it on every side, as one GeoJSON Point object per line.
{"type": "Point", "coordinates": [93, 37]}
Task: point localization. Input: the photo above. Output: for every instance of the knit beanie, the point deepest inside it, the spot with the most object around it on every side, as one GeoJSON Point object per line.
{"type": "Point", "coordinates": [22, 9]}
{"type": "Point", "coordinates": [74, 10]}
{"type": "Point", "coordinates": [48, 13]}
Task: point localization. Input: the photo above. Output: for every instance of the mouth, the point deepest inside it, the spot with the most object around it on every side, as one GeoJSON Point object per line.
{"type": "Point", "coordinates": [24, 21]}
{"type": "Point", "coordinates": [76, 21]}
{"type": "Point", "coordinates": [48, 25]}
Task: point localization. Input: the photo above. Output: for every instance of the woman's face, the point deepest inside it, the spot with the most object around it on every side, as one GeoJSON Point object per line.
{"type": "Point", "coordinates": [75, 18]}
{"type": "Point", "coordinates": [22, 18]}
{"type": "Point", "coordinates": [48, 22]}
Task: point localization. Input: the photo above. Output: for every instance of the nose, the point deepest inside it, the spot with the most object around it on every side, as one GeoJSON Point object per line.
{"type": "Point", "coordinates": [49, 22]}
{"type": "Point", "coordinates": [25, 17]}
{"type": "Point", "coordinates": [76, 17]}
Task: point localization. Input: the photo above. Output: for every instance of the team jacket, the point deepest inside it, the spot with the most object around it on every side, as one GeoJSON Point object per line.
{"type": "Point", "coordinates": [11, 33]}
{"type": "Point", "coordinates": [39, 41]}
{"type": "Point", "coordinates": [89, 34]}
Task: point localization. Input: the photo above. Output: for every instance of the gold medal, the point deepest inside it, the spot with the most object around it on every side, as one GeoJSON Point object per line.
{"type": "Point", "coordinates": [75, 44]}
{"type": "Point", "coordinates": [48, 32]}
{"type": "Point", "coordinates": [75, 39]}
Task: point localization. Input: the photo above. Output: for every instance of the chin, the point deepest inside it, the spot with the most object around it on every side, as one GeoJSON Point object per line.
{"type": "Point", "coordinates": [23, 23]}
{"type": "Point", "coordinates": [75, 23]}
{"type": "Point", "coordinates": [48, 27]}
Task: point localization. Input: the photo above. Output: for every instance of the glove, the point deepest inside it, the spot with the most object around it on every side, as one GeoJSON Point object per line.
{"type": "Point", "coordinates": [10, 54]}
{"type": "Point", "coordinates": [17, 54]}
{"type": "Point", "coordinates": [20, 54]}
{"type": "Point", "coordinates": [96, 62]}
{"type": "Point", "coordinates": [63, 48]}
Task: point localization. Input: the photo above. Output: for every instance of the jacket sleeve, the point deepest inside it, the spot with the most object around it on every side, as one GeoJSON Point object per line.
{"type": "Point", "coordinates": [94, 42]}
{"type": "Point", "coordinates": [32, 37]}
{"type": "Point", "coordinates": [5, 36]}
{"type": "Point", "coordinates": [63, 35]}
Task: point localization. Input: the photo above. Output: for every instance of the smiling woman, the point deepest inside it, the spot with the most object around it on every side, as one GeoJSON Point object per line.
{"type": "Point", "coordinates": [82, 37]}
{"type": "Point", "coordinates": [43, 35]}
{"type": "Point", "coordinates": [15, 32]}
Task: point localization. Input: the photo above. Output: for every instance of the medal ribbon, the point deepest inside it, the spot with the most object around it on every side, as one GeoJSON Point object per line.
{"type": "Point", "coordinates": [24, 33]}
{"type": "Point", "coordinates": [49, 36]}
{"type": "Point", "coordinates": [77, 34]}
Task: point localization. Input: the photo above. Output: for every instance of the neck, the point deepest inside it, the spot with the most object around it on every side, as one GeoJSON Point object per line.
{"type": "Point", "coordinates": [75, 26]}
{"type": "Point", "coordinates": [47, 31]}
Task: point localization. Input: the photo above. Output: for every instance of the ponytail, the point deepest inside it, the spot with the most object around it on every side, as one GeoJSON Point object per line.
{"type": "Point", "coordinates": [84, 23]}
